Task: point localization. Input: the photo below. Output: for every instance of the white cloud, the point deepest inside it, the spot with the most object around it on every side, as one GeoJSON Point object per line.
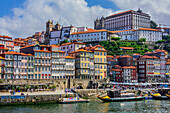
{"type": "Point", "coordinates": [158, 9]}
{"type": "Point", "coordinates": [35, 14]}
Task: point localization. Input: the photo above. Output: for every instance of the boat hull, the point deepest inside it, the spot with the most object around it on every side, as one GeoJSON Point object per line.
{"type": "Point", "coordinates": [121, 99]}
{"type": "Point", "coordinates": [160, 97]}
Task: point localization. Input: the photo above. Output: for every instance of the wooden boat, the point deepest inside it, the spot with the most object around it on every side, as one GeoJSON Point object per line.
{"type": "Point", "coordinates": [72, 100]}
{"type": "Point", "coordinates": [115, 96]}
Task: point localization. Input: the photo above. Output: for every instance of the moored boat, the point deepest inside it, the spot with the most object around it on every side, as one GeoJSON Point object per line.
{"type": "Point", "coordinates": [163, 94]}
{"type": "Point", "coordinates": [116, 96]}
{"type": "Point", "coordinates": [72, 100]}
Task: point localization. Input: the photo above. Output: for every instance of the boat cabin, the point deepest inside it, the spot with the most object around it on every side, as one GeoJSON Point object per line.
{"type": "Point", "coordinates": [114, 93]}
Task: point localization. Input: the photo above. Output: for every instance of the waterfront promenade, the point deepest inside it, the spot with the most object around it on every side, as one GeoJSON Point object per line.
{"type": "Point", "coordinates": [37, 93]}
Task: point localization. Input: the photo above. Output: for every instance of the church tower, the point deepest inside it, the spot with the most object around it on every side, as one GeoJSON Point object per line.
{"type": "Point", "coordinates": [102, 23]}
{"type": "Point", "coordinates": [49, 27]}
{"type": "Point", "coordinates": [58, 26]}
{"type": "Point", "coordinates": [97, 24]}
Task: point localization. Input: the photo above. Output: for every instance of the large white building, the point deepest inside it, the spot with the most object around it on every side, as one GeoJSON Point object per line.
{"type": "Point", "coordinates": [92, 36]}
{"type": "Point", "coordinates": [124, 21]}
{"type": "Point", "coordinates": [151, 35]}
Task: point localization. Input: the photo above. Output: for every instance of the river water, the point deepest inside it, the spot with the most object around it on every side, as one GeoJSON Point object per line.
{"type": "Point", "coordinates": [94, 106]}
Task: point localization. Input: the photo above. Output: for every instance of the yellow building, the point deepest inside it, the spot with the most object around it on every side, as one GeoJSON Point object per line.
{"type": "Point", "coordinates": [83, 63]}
{"type": "Point", "coordinates": [100, 61]}
{"type": "Point", "coordinates": [91, 62]}
{"type": "Point", "coordinates": [1, 67]}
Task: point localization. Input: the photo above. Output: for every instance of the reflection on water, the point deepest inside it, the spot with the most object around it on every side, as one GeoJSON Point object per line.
{"type": "Point", "coordinates": [147, 106]}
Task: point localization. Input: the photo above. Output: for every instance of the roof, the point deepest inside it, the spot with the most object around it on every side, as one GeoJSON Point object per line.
{"type": "Point", "coordinates": [147, 29]}
{"type": "Point", "coordinates": [58, 51]}
{"type": "Point", "coordinates": [28, 46]}
{"type": "Point", "coordinates": [121, 31]}
{"type": "Point", "coordinates": [80, 50]}
{"type": "Point", "coordinates": [115, 70]}
{"type": "Point", "coordinates": [71, 43]}
{"type": "Point", "coordinates": [126, 48]}
{"type": "Point", "coordinates": [30, 55]}
{"type": "Point", "coordinates": [168, 63]}
{"type": "Point", "coordinates": [6, 36]}
{"type": "Point", "coordinates": [69, 57]}
{"type": "Point", "coordinates": [110, 56]}
{"type": "Point", "coordinates": [54, 46]}
{"type": "Point", "coordinates": [16, 53]}
{"type": "Point", "coordinates": [149, 57]}
{"type": "Point", "coordinates": [42, 51]}
{"type": "Point", "coordinates": [117, 66]}
{"type": "Point", "coordinates": [93, 48]}
{"type": "Point", "coordinates": [120, 13]}
{"type": "Point", "coordinates": [89, 31]}
{"type": "Point", "coordinates": [1, 57]}
{"type": "Point", "coordinates": [126, 56]}
{"type": "Point", "coordinates": [11, 53]}
{"type": "Point", "coordinates": [158, 50]}
{"type": "Point", "coordinates": [129, 67]}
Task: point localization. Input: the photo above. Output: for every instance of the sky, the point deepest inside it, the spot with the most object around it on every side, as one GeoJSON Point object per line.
{"type": "Point", "coordinates": [22, 18]}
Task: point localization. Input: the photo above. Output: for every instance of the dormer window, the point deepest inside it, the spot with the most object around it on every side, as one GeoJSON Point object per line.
{"type": "Point", "coordinates": [45, 49]}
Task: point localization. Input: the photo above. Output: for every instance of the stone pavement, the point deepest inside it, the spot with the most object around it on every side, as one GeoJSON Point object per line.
{"type": "Point", "coordinates": [36, 93]}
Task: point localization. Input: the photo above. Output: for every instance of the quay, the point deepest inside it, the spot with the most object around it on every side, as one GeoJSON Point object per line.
{"type": "Point", "coordinates": [43, 97]}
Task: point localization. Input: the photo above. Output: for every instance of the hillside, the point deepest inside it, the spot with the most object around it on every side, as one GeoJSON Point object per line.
{"type": "Point", "coordinates": [113, 47]}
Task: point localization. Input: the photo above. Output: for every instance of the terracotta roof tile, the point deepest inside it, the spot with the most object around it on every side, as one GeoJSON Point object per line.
{"type": "Point", "coordinates": [120, 13]}
{"type": "Point", "coordinates": [126, 56]}
{"type": "Point", "coordinates": [69, 57]}
{"type": "Point", "coordinates": [126, 48]}
{"type": "Point", "coordinates": [129, 67]}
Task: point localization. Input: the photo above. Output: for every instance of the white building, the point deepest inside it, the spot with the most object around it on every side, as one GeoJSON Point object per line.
{"type": "Point", "coordinates": [151, 35]}
{"type": "Point", "coordinates": [17, 48]}
{"type": "Point", "coordinates": [62, 34]}
{"type": "Point", "coordinates": [124, 21]}
{"type": "Point", "coordinates": [69, 47]}
{"type": "Point", "coordinates": [92, 35]}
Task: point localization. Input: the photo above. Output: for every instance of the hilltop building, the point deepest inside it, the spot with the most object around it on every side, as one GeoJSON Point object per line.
{"type": "Point", "coordinates": [124, 21]}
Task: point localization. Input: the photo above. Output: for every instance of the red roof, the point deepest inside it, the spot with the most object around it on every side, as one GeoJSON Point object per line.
{"type": "Point", "coordinates": [125, 56]}
{"type": "Point", "coordinates": [126, 48]}
{"type": "Point", "coordinates": [42, 51]}
{"type": "Point", "coordinates": [129, 67]}
{"type": "Point", "coordinates": [115, 70]}
{"type": "Point", "coordinates": [149, 57]}
{"type": "Point", "coordinates": [120, 13]}
{"type": "Point", "coordinates": [110, 56]}
{"type": "Point", "coordinates": [148, 29]}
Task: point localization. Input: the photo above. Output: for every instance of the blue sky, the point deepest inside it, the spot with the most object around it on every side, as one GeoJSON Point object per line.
{"type": "Point", "coordinates": [22, 18]}
{"type": "Point", "coordinates": [6, 6]}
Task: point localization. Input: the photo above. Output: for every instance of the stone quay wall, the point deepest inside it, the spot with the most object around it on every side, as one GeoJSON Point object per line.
{"type": "Point", "coordinates": [31, 99]}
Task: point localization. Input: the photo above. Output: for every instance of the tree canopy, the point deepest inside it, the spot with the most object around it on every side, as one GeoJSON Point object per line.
{"type": "Point", "coordinates": [142, 40]}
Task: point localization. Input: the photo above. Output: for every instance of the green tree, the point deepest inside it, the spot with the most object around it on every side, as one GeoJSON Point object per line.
{"type": "Point", "coordinates": [1, 81]}
{"type": "Point", "coordinates": [115, 38]}
{"type": "Point", "coordinates": [53, 86]}
{"type": "Point", "coordinates": [142, 40]}
{"type": "Point", "coordinates": [153, 24]}
{"type": "Point", "coordinates": [28, 86]}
